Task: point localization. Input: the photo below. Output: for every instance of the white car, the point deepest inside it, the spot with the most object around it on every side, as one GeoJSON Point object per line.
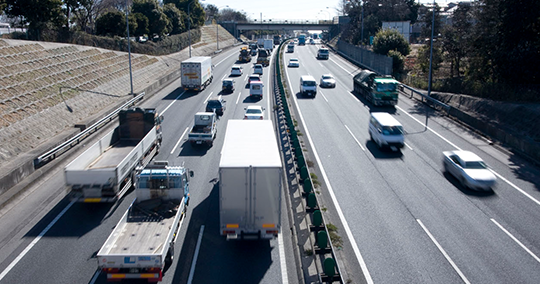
{"type": "Point", "coordinates": [293, 62]}
{"type": "Point", "coordinates": [258, 69]}
{"type": "Point", "coordinates": [253, 78]}
{"type": "Point", "coordinates": [236, 71]}
{"type": "Point", "coordinates": [469, 169]}
{"type": "Point", "coordinates": [327, 80]}
{"type": "Point", "coordinates": [254, 112]}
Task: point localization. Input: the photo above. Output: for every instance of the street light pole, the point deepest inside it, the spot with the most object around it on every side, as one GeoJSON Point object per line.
{"type": "Point", "coordinates": [362, 33]}
{"type": "Point", "coordinates": [431, 49]}
{"type": "Point", "coordinates": [129, 49]}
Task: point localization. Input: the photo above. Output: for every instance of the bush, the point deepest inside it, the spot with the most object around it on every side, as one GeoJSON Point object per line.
{"type": "Point", "coordinates": [386, 40]}
{"type": "Point", "coordinates": [398, 63]}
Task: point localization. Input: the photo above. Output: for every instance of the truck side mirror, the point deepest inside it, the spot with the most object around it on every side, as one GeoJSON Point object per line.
{"type": "Point", "coordinates": [161, 117]}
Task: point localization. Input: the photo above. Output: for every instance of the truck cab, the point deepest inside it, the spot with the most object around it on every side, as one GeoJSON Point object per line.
{"type": "Point", "coordinates": [379, 90]}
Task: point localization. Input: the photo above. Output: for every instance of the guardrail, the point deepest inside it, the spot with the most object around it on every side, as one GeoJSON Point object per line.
{"type": "Point", "coordinates": [324, 247]}
{"type": "Point", "coordinates": [62, 148]}
{"type": "Point", "coordinates": [424, 98]}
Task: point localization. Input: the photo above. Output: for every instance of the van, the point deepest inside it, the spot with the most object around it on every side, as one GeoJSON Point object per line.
{"type": "Point", "coordinates": [258, 69]}
{"type": "Point", "coordinates": [323, 53]}
{"type": "Point", "coordinates": [308, 85]}
{"type": "Point", "coordinates": [216, 104]}
{"type": "Point", "coordinates": [256, 89]}
{"type": "Point", "coordinates": [386, 131]}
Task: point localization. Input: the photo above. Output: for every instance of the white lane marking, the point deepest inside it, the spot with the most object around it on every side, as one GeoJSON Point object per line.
{"type": "Point", "coordinates": [95, 277]}
{"type": "Point", "coordinates": [324, 97]}
{"type": "Point", "coordinates": [356, 250]}
{"type": "Point", "coordinates": [163, 112]}
{"type": "Point", "coordinates": [205, 101]}
{"type": "Point", "coordinates": [223, 77]}
{"type": "Point", "coordinates": [224, 59]}
{"type": "Point", "coordinates": [36, 239]}
{"type": "Point", "coordinates": [516, 240]}
{"type": "Point", "coordinates": [408, 146]}
{"type": "Point", "coordinates": [350, 73]}
{"type": "Point", "coordinates": [443, 252]}
{"type": "Point", "coordinates": [178, 143]}
{"type": "Point", "coordinates": [239, 95]}
{"type": "Point", "coordinates": [357, 142]}
{"type": "Point", "coordinates": [516, 187]}
{"type": "Point", "coordinates": [194, 262]}
{"type": "Point", "coordinates": [440, 136]}
{"type": "Point", "coordinates": [245, 78]}
{"type": "Point", "coordinates": [282, 260]}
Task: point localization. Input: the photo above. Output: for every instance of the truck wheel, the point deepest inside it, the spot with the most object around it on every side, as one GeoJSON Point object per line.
{"type": "Point", "coordinates": [170, 255]}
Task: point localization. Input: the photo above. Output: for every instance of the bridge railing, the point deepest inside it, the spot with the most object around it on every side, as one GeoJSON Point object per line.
{"type": "Point", "coordinates": [289, 22]}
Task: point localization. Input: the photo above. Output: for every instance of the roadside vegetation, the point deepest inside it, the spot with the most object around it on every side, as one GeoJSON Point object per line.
{"type": "Point", "coordinates": [486, 48]}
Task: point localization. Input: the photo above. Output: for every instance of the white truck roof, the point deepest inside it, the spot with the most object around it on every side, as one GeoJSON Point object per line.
{"type": "Point", "coordinates": [197, 59]}
{"type": "Point", "coordinates": [250, 143]}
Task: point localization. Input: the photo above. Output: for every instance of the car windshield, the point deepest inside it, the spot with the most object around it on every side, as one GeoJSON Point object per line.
{"type": "Point", "coordinates": [309, 83]}
{"type": "Point", "coordinates": [227, 83]}
{"type": "Point", "coordinates": [254, 78]}
{"type": "Point", "coordinates": [236, 69]}
{"type": "Point", "coordinates": [387, 87]}
{"type": "Point", "coordinates": [254, 111]}
{"type": "Point", "coordinates": [293, 60]}
{"type": "Point", "coordinates": [323, 51]}
{"type": "Point", "coordinates": [475, 165]}
{"type": "Point", "coordinates": [327, 77]}
{"type": "Point", "coordinates": [392, 130]}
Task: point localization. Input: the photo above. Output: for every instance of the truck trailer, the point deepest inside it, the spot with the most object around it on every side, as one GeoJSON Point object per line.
{"type": "Point", "coordinates": [142, 242]}
{"type": "Point", "coordinates": [105, 171]}
{"type": "Point", "coordinates": [379, 90]}
{"type": "Point", "coordinates": [250, 180]}
{"type": "Point", "coordinates": [197, 73]}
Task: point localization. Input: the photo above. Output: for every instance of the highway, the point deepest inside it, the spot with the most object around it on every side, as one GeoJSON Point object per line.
{"type": "Point", "coordinates": [408, 222]}
{"type": "Point", "coordinates": [52, 240]}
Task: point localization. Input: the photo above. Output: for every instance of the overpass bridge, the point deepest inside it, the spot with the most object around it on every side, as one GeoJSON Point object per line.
{"type": "Point", "coordinates": [278, 25]}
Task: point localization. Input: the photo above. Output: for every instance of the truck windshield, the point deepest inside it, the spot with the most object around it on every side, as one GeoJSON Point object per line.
{"type": "Point", "coordinates": [386, 87]}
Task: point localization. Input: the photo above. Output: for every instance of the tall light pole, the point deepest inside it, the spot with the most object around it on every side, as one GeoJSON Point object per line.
{"type": "Point", "coordinates": [217, 26]}
{"type": "Point", "coordinates": [431, 49]}
{"type": "Point", "coordinates": [362, 33]}
{"type": "Point", "coordinates": [129, 49]}
{"type": "Point", "coordinates": [189, 25]}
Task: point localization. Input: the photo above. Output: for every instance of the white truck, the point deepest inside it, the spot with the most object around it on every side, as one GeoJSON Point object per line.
{"type": "Point", "coordinates": [142, 242]}
{"type": "Point", "coordinates": [250, 173]}
{"type": "Point", "coordinates": [260, 42]}
{"type": "Point", "coordinates": [105, 171]}
{"type": "Point", "coordinates": [204, 129]}
{"type": "Point", "coordinates": [268, 44]}
{"type": "Point", "coordinates": [197, 73]}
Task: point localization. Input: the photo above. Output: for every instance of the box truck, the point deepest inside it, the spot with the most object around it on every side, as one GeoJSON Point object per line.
{"type": "Point", "coordinates": [197, 73]}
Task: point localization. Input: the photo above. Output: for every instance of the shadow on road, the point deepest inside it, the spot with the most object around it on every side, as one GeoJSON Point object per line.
{"type": "Point", "coordinates": [468, 191]}
{"type": "Point", "coordinates": [382, 153]}
{"type": "Point", "coordinates": [189, 150]}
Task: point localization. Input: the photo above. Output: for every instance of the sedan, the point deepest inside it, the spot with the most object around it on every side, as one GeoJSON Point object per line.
{"type": "Point", "coordinates": [327, 80]}
{"type": "Point", "coordinates": [469, 169]}
{"type": "Point", "coordinates": [293, 62]}
{"type": "Point", "coordinates": [254, 112]}
{"type": "Point", "coordinates": [236, 71]}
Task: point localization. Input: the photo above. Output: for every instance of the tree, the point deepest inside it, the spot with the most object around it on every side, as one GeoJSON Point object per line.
{"type": "Point", "coordinates": [428, 20]}
{"type": "Point", "coordinates": [423, 57]}
{"type": "Point", "coordinates": [196, 15]}
{"type": "Point", "coordinates": [211, 12]}
{"type": "Point", "coordinates": [398, 63]}
{"type": "Point", "coordinates": [140, 26]}
{"type": "Point", "coordinates": [111, 24]}
{"type": "Point", "coordinates": [232, 15]}
{"type": "Point", "coordinates": [157, 19]}
{"type": "Point", "coordinates": [36, 13]}
{"type": "Point", "coordinates": [176, 19]}
{"type": "Point", "coordinates": [390, 39]}
{"type": "Point", "coordinates": [456, 38]}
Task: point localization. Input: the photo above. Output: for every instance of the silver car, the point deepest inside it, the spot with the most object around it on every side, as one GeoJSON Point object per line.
{"type": "Point", "coordinates": [328, 81]}
{"type": "Point", "coordinates": [469, 169]}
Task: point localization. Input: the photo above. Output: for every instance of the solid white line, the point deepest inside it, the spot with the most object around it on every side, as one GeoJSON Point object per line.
{"type": "Point", "coordinates": [95, 277]}
{"type": "Point", "coordinates": [357, 142]}
{"type": "Point", "coordinates": [516, 187]}
{"type": "Point", "coordinates": [356, 250]}
{"type": "Point", "coordinates": [194, 262]}
{"type": "Point", "coordinates": [408, 146]}
{"type": "Point", "coordinates": [163, 112]}
{"type": "Point", "coordinates": [350, 73]}
{"type": "Point", "coordinates": [516, 240]}
{"type": "Point", "coordinates": [324, 97]}
{"type": "Point", "coordinates": [178, 143]}
{"type": "Point", "coordinates": [223, 77]}
{"type": "Point", "coordinates": [282, 260]}
{"type": "Point", "coordinates": [440, 136]}
{"type": "Point", "coordinates": [225, 59]}
{"type": "Point", "coordinates": [444, 252]}
{"type": "Point", "coordinates": [205, 101]}
{"type": "Point", "coordinates": [34, 242]}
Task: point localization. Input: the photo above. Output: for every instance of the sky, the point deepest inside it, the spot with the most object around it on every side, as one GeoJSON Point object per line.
{"type": "Point", "coordinates": [288, 9]}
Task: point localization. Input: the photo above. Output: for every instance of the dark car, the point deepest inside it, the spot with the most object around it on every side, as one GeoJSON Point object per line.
{"type": "Point", "coordinates": [227, 86]}
{"type": "Point", "coordinates": [216, 104]}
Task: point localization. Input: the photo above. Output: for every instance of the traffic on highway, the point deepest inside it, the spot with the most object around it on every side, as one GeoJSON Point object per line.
{"type": "Point", "coordinates": [415, 196]}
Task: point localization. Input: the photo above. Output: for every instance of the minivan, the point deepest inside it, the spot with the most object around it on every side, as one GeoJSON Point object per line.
{"type": "Point", "coordinates": [308, 85]}
{"type": "Point", "coordinates": [258, 69]}
{"type": "Point", "coordinates": [386, 131]}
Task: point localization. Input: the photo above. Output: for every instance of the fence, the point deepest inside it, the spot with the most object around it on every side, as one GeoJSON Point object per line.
{"type": "Point", "coordinates": [365, 58]}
